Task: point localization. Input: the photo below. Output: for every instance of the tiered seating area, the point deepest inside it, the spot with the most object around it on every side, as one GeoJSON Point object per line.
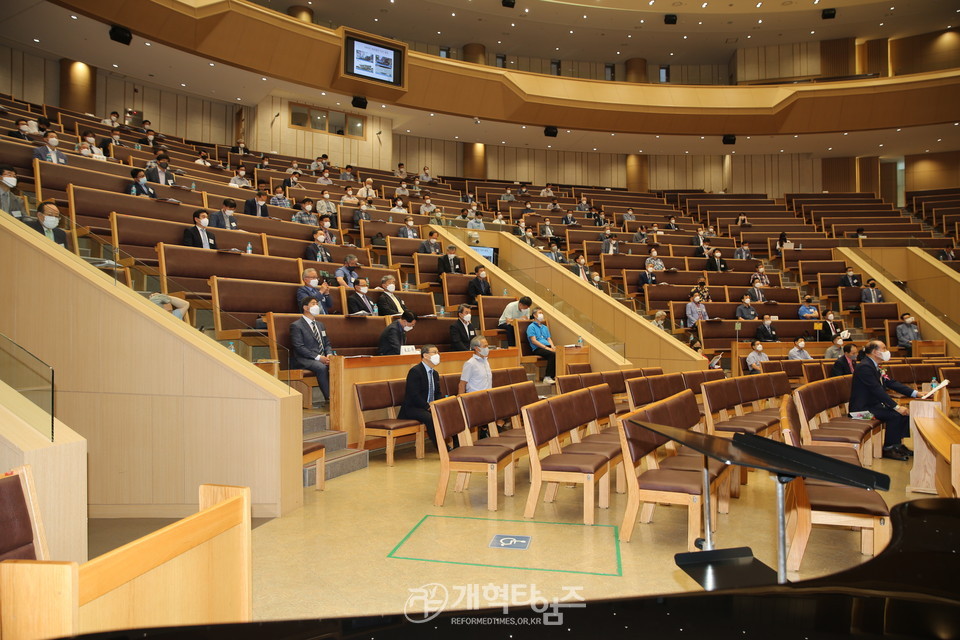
{"type": "Point", "coordinates": [244, 293]}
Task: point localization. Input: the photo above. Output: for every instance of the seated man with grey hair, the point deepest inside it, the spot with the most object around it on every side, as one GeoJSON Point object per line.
{"type": "Point", "coordinates": [389, 304]}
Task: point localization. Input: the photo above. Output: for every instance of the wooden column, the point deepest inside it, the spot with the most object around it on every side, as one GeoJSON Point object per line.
{"type": "Point", "coordinates": [868, 174]}
{"type": "Point", "coordinates": [839, 174]}
{"type": "Point", "coordinates": [838, 57]}
{"type": "Point", "coordinates": [638, 172]}
{"type": "Point", "coordinates": [304, 14]}
{"type": "Point", "coordinates": [475, 160]}
{"type": "Point", "coordinates": [637, 70]}
{"type": "Point", "coordinates": [889, 189]}
{"type": "Point", "coordinates": [872, 57]}
{"type": "Point", "coordinates": [78, 86]}
{"type": "Point", "coordinates": [475, 53]}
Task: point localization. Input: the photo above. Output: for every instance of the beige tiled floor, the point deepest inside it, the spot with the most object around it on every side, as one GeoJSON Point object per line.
{"type": "Point", "coordinates": [333, 556]}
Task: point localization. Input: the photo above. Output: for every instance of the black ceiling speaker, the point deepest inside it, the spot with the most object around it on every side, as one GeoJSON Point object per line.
{"type": "Point", "coordinates": [359, 102]}
{"type": "Point", "coordinates": [670, 18]}
{"type": "Point", "coordinates": [120, 34]}
{"type": "Point", "coordinates": [509, 4]}
{"type": "Point", "coordinates": [828, 14]}
{"type": "Point", "coordinates": [729, 139]}
{"type": "Point", "coordinates": [550, 132]}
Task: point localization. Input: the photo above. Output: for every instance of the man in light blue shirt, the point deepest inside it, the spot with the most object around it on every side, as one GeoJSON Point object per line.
{"type": "Point", "coordinates": [541, 344]}
{"type": "Point", "coordinates": [807, 311]}
{"type": "Point", "coordinates": [476, 222]}
{"type": "Point", "coordinates": [799, 351]}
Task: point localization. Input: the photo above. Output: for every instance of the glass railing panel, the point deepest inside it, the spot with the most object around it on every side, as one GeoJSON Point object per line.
{"type": "Point", "coordinates": [32, 378]}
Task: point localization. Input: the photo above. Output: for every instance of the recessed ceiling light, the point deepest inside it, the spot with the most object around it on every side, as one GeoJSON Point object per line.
{"type": "Point", "coordinates": [438, 33]}
{"type": "Point", "coordinates": [584, 17]}
{"type": "Point", "coordinates": [629, 35]}
{"type": "Point", "coordinates": [686, 152]}
{"type": "Point", "coordinates": [549, 146]}
{"type": "Point", "coordinates": [238, 98]}
{"type": "Point", "coordinates": [116, 66]}
{"type": "Point", "coordinates": [613, 134]}
{"type": "Point", "coordinates": [703, 6]}
{"type": "Point", "coordinates": [74, 17]}
{"type": "Point", "coordinates": [513, 24]}
{"type": "Point", "coordinates": [523, 126]}
{"type": "Point", "coordinates": [829, 148]}
{"type": "Point", "coordinates": [812, 32]}
{"type": "Point", "coordinates": [651, 2]}
{"type": "Point", "coordinates": [503, 142]}
{"type": "Point", "coordinates": [658, 137]}
{"type": "Point", "coordinates": [640, 151]}
{"type": "Point", "coordinates": [212, 65]}
{"type": "Point", "coordinates": [431, 115]}
{"type": "Point", "coordinates": [182, 84]}
{"type": "Point", "coordinates": [594, 148]}
{"type": "Point", "coordinates": [264, 79]}
{"type": "Point", "coordinates": [618, 53]}
{"type": "Point", "coordinates": [456, 137]}
{"type": "Point", "coordinates": [781, 150]}
{"type": "Point", "coordinates": [37, 40]}
{"type": "Point", "coordinates": [376, 19]}
{"type": "Point", "coordinates": [701, 22]}
{"type": "Point", "coordinates": [702, 137]}
{"type": "Point", "coordinates": [383, 106]}
{"type": "Point", "coordinates": [881, 24]}
{"type": "Point", "coordinates": [453, 15]}
{"type": "Point", "coordinates": [760, 21]}
{"type": "Point", "coordinates": [939, 139]}
{"type": "Point", "coordinates": [499, 41]}
{"type": "Point", "coordinates": [733, 152]}
{"type": "Point", "coordinates": [568, 130]}
{"type": "Point", "coordinates": [526, 10]}
{"type": "Point", "coordinates": [408, 130]}
{"type": "Point", "coordinates": [796, 136]}
{"type": "Point", "coordinates": [148, 44]}
{"type": "Point", "coordinates": [571, 30]}
{"type": "Point", "coordinates": [759, 4]}
{"type": "Point", "coordinates": [845, 133]}
{"type": "Point", "coordinates": [898, 130]}
{"type": "Point", "coordinates": [557, 49]}
{"type": "Point", "coordinates": [323, 93]}
{"type": "Point", "coordinates": [671, 53]}
{"type": "Point", "coordinates": [684, 37]}
{"type": "Point", "coordinates": [927, 151]}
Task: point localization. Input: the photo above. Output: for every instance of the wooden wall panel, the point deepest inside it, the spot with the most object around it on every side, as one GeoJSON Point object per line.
{"type": "Point", "coordinates": [872, 57]}
{"type": "Point", "coordinates": [776, 61]}
{"type": "Point", "coordinates": [839, 174]}
{"type": "Point", "coordinates": [444, 157]}
{"type": "Point", "coordinates": [266, 134]}
{"type": "Point", "coordinates": [932, 170]}
{"type": "Point", "coordinates": [567, 167]}
{"type": "Point", "coordinates": [888, 182]}
{"type": "Point", "coordinates": [28, 77]}
{"type": "Point", "coordinates": [698, 74]}
{"type": "Point", "coordinates": [684, 172]}
{"type": "Point", "coordinates": [925, 52]}
{"type": "Point", "coordinates": [868, 174]}
{"type": "Point", "coordinates": [838, 57]}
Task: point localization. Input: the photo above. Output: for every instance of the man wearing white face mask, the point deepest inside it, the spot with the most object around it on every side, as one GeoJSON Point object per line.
{"type": "Point", "coordinates": [756, 357]}
{"type": "Point", "coordinates": [541, 344]}
{"type": "Point", "coordinates": [48, 223]}
{"type": "Point", "coordinates": [422, 388]}
{"type": "Point", "coordinates": [358, 302]}
{"type": "Point", "coordinates": [408, 230]}
{"type": "Point", "coordinates": [49, 152]}
{"type": "Point", "coordinates": [461, 332]}
{"type": "Point", "coordinates": [476, 374]}
{"type": "Point", "coordinates": [224, 218]}
{"type": "Point", "coordinates": [799, 351]}
{"type": "Point", "coordinates": [835, 350]}
{"type": "Point", "coordinates": [479, 286]}
{"type": "Point", "coordinates": [389, 303]}
{"type": "Point", "coordinates": [868, 392]}
{"type": "Point", "coordinates": [395, 335]}
{"type": "Point", "coordinates": [197, 235]}
{"type": "Point", "coordinates": [22, 131]}
{"type": "Point", "coordinates": [10, 201]}
{"type": "Point", "coordinates": [311, 348]}
{"type": "Point", "coordinates": [314, 288]}
{"type": "Point", "coordinates": [907, 332]}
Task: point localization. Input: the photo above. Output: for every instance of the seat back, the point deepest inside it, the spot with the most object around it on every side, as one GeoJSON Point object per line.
{"type": "Point", "coordinates": [398, 391]}
{"type": "Point", "coordinates": [504, 403]}
{"type": "Point", "coordinates": [579, 367]}
{"type": "Point", "coordinates": [591, 379]}
{"type": "Point", "coordinates": [614, 379]}
{"type": "Point", "coordinates": [509, 375]}
{"type": "Point", "coordinates": [539, 423]}
{"type": "Point", "coordinates": [449, 384]}
{"type": "Point", "coordinates": [665, 385]}
{"type": "Point", "coordinates": [789, 421]}
{"type": "Point", "coordinates": [812, 371]}
{"type": "Point", "coordinates": [477, 409]}
{"type": "Point", "coordinates": [448, 419]}
{"type": "Point", "coordinates": [651, 371]}
{"type": "Point", "coordinates": [17, 520]}
{"type": "Point", "coordinates": [454, 287]}
{"type": "Point", "coordinates": [374, 395]}
{"type": "Point", "coordinates": [525, 393]}
{"type": "Point", "coordinates": [638, 392]}
{"type": "Point", "coordinates": [747, 389]}
{"type": "Point", "coordinates": [568, 383]}
{"type": "Point", "coordinates": [603, 404]}
{"type": "Point", "coordinates": [640, 440]}
{"type": "Point", "coordinates": [489, 309]}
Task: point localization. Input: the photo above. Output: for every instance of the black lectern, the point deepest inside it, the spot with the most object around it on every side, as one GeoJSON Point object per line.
{"type": "Point", "coordinates": [734, 568]}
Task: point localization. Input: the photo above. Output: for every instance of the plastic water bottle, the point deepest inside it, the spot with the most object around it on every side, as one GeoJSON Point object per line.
{"type": "Point", "coordinates": [193, 186]}
{"type": "Point", "coordinates": [390, 218]}
{"type": "Point", "coordinates": [506, 292]}
{"type": "Point", "coordinates": [933, 381]}
{"type": "Point", "coordinates": [443, 312]}
{"type": "Point", "coordinates": [232, 347]}
{"type": "Point", "coordinates": [137, 146]}
{"type": "Point", "coordinates": [580, 342]}
{"type": "Point", "coordinates": [375, 309]}
{"type": "Point", "coordinates": [249, 247]}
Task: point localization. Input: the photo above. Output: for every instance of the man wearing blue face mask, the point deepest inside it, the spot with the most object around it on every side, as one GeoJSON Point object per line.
{"type": "Point", "coordinates": [347, 274]}
{"type": "Point", "coordinates": [139, 186]}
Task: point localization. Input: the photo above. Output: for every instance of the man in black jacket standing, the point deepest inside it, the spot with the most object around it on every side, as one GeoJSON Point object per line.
{"type": "Point", "coordinates": [869, 393]}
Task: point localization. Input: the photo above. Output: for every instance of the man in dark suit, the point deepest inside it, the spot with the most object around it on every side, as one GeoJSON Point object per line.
{"type": "Point", "coordinates": [555, 254]}
{"type": "Point", "coordinates": [112, 140]}
{"type": "Point", "coordinates": [257, 205]}
{"type": "Point", "coordinates": [161, 172]}
{"type": "Point", "coordinates": [461, 332]}
{"type": "Point", "coordinates": [704, 250]}
{"type": "Point", "coordinates": [830, 330]}
{"type": "Point", "coordinates": [871, 293]}
{"type": "Point", "coordinates": [389, 303]}
{"type": "Point", "coordinates": [316, 251]}
{"type": "Point", "coordinates": [49, 152]}
{"type": "Point", "coordinates": [431, 245]}
{"type": "Point", "coordinates": [478, 286]}
{"type": "Point", "coordinates": [945, 254]}
{"type": "Point", "coordinates": [409, 230]}
{"type": "Point", "coordinates": [314, 288]}
{"type": "Point", "coordinates": [358, 300]}
{"type": "Point", "coordinates": [850, 279]}
{"type": "Point", "coordinates": [150, 139]}
{"type": "Point", "coordinates": [197, 235]}
{"type": "Point", "coordinates": [450, 263]}
{"type": "Point", "coordinates": [846, 363]}
{"type": "Point", "coordinates": [311, 348]}
{"type": "Point", "coordinates": [756, 293]}
{"type": "Point", "coordinates": [20, 133]}
{"type": "Point", "coordinates": [48, 223]}
{"type": "Point", "coordinates": [139, 186]}
{"type": "Point", "coordinates": [869, 393]}
{"type": "Point", "coordinates": [579, 268]}
{"type": "Point", "coordinates": [395, 335]}
{"type": "Point", "coordinates": [766, 332]}
{"type": "Point", "coordinates": [716, 262]}
{"type": "Point", "coordinates": [423, 387]}
{"type": "Point", "coordinates": [647, 277]}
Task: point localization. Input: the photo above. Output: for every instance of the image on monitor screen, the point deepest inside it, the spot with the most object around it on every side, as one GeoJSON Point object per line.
{"type": "Point", "coordinates": [372, 61]}
{"type": "Point", "coordinates": [487, 252]}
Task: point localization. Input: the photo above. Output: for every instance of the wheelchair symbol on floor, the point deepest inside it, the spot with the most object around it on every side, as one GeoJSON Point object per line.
{"type": "Point", "coordinates": [510, 542]}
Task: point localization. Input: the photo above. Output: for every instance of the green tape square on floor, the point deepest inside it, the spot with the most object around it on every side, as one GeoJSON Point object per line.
{"type": "Point", "coordinates": [466, 541]}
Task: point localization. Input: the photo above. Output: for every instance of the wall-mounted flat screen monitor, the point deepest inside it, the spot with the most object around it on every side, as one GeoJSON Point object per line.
{"type": "Point", "coordinates": [490, 253]}
{"type": "Point", "coordinates": [373, 61]}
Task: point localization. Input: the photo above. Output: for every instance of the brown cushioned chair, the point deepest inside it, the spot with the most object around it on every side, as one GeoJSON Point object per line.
{"type": "Point", "coordinates": [386, 395]}
{"type": "Point", "coordinates": [448, 423]}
